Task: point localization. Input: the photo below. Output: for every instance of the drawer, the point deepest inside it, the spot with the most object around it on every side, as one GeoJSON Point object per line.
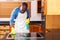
{"type": "Point", "coordinates": [35, 28]}
{"type": "Point", "coordinates": [4, 27]}
{"type": "Point", "coordinates": [3, 32]}
{"type": "Point", "coordinates": [1, 36]}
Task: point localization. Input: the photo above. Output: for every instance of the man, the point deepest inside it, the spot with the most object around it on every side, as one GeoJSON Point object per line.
{"type": "Point", "coordinates": [20, 14]}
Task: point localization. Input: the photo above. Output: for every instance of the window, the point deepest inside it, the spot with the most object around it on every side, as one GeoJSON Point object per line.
{"type": "Point", "coordinates": [39, 6]}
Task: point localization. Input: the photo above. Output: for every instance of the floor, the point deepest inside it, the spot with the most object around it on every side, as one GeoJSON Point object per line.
{"type": "Point", "coordinates": [53, 34]}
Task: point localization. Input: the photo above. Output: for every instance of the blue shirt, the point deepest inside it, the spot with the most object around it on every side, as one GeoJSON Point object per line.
{"type": "Point", "coordinates": [14, 14]}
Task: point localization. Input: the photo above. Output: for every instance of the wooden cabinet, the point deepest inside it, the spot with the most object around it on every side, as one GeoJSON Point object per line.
{"type": "Point", "coordinates": [1, 36]}
{"type": "Point", "coordinates": [3, 30]}
{"type": "Point", "coordinates": [7, 7]}
{"type": "Point", "coordinates": [35, 28]}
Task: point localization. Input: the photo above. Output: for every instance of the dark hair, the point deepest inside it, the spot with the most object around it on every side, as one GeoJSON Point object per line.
{"type": "Point", "coordinates": [24, 4]}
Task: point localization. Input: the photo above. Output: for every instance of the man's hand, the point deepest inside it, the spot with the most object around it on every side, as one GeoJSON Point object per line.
{"type": "Point", "coordinates": [11, 26]}
{"type": "Point", "coordinates": [28, 21]}
{"type": "Point", "coordinates": [12, 31]}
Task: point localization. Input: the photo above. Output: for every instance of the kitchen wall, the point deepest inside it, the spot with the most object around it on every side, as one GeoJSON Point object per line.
{"type": "Point", "coordinates": [34, 15]}
{"type": "Point", "coordinates": [53, 7]}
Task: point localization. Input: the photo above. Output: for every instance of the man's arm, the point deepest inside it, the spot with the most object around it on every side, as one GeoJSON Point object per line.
{"type": "Point", "coordinates": [28, 17]}
{"type": "Point", "coordinates": [28, 13]}
{"type": "Point", "coordinates": [12, 17]}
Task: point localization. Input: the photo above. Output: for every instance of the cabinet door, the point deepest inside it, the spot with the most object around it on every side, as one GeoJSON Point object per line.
{"type": "Point", "coordinates": [35, 28]}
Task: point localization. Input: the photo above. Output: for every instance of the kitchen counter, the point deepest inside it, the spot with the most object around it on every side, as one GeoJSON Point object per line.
{"type": "Point", "coordinates": [6, 21]}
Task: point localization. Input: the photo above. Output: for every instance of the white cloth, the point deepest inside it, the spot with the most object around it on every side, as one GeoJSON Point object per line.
{"type": "Point", "coordinates": [20, 23]}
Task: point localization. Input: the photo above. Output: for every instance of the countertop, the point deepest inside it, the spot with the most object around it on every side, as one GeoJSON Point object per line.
{"type": "Point", "coordinates": [6, 21]}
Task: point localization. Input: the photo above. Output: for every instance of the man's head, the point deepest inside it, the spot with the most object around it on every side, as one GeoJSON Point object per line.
{"type": "Point", "coordinates": [24, 7]}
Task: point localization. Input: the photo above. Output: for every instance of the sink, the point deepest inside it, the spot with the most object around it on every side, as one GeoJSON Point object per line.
{"type": "Point", "coordinates": [31, 36]}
